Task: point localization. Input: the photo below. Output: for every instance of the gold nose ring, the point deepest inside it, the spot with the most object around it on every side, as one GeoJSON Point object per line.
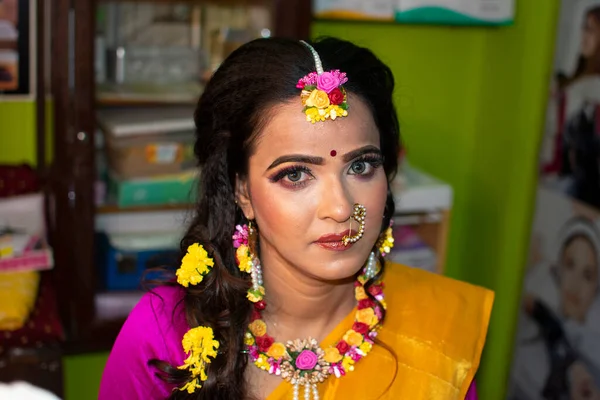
{"type": "Point", "coordinates": [359, 215]}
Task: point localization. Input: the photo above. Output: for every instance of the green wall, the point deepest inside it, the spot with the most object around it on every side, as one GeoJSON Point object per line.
{"type": "Point", "coordinates": [17, 132]}
{"type": "Point", "coordinates": [471, 104]}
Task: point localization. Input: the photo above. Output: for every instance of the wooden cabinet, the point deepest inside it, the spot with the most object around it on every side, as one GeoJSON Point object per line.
{"type": "Point", "coordinates": [71, 174]}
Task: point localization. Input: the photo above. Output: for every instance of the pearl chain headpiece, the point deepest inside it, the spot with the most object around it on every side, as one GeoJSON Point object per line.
{"type": "Point", "coordinates": [323, 95]}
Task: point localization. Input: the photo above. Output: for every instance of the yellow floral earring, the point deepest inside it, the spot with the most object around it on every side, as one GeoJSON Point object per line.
{"type": "Point", "coordinates": [244, 240]}
{"type": "Point", "coordinates": [384, 246]}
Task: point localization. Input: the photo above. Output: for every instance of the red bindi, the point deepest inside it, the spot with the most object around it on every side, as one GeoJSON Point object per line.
{"type": "Point", "coordinates": [333, 153]}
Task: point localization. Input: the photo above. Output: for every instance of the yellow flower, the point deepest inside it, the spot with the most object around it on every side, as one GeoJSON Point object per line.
{"type": "Point", "coordinates": [312, 115]}
{"type": "Point", "coordinates": [365, 347]}
{"type": "Point", "coordinates": [256, 295]}
{"type": "Point", "coordinates": [243, 256]}
{"type": "Point", "coordinates": [348, 364]}
{"type": "Point", "coordinates": [317, 98]}
{"type": "Point", "coordinates": [258, 328]}
{"type": "Point", "coordinates": [194, 265]}
{"type": "Point", "coordinates": [353, 338]}
{"type": "Point", "coordinates": [277, 350]}
{"type": "Point", "coordinates": [388, 242]}
{"type": "Point", "coordinates": [262, 363]}
{"type": "Point", "coordinates": [200, 346]}
{"type": "Point", "coordinates": [191, 386]}
{"type": "Point", "coordinates": [367, 316]}
{"type": "Point", "coordinates": [248, 339]}
{"type": "Point", "coordinates": [383, 304]}
{"type": "Point", "coordinates": [360, 293]}
{"type": "Point", "coordinates": [332, 355]}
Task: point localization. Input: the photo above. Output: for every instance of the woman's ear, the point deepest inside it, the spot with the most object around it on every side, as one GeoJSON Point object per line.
{"type": "Point", "coordinates": [242, 196]}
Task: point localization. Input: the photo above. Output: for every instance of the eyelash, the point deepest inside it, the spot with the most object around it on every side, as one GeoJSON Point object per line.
{"type": "Point", "coordinates": [375, 161]}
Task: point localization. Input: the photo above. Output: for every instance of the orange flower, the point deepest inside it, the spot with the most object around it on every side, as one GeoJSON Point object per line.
{"type": "Point", "coordinates": [353, 338]}
{"type": "Point", "coordinates": [332, 355]}
{"type": "Point", "coordinates": [360, 293]}
{"type": "Point", "coordinates": [317, 98]}
{"type": "Point", "coordinates": [277, 350]}
{"type": "Point", "coordinates": [367, 316]}
{"type": "Point", "coordinates": [258, 328]}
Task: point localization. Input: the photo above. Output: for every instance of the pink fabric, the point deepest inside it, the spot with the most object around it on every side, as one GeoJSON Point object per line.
{"type": "Point", "coordinates": [472, 393]}
{"type": "Point", "coordinates": [153, 331]}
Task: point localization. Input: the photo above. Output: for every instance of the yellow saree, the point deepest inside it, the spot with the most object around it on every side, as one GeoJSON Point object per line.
{"type": "Point", "coordinates": [429, 345]}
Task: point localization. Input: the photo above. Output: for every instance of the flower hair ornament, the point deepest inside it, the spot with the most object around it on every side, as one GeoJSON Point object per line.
{"type": "Point", "coordinates": [323, 95]}
{"type": "Point", "coordinates": [198, 343]}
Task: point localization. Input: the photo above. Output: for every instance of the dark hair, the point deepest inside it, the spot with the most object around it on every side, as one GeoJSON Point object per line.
{"type": "Point", "coordinates": [230, 113]}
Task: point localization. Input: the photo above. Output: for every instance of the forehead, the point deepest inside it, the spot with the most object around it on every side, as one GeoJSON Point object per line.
{"type": "Point", "coordinates": [287, 131]}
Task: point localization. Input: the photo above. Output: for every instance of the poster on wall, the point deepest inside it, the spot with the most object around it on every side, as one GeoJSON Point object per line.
{"type": "Point", "coordinates": [557, 342]}
{"type": "Point", "coordinates": [557, 347]}
{"type": "Point", "coordinates": [455, 12]}
{"type": "Point", "coordinates": [17, 50]}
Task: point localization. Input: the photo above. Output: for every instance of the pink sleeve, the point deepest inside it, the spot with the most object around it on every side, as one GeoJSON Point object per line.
{"type": "Point", "coordinates": [472, 393]}
{"type": "Point", "coordinates": [153, 330]}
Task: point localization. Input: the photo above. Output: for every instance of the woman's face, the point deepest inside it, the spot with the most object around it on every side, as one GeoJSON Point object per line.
{"type": "Point", "coordinates": [578, 278]}
{"type": "Point", "coordinates": [590, 38]}
{"type": "Point", "coordinates": [303, 181]}
{"type": "Point", "coordinates": [582, 386]}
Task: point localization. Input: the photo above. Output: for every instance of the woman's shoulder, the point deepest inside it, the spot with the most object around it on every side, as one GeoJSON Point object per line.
{"type": "Point", "coordinates": [406, 281]}
{"type": "Point", "coordinates": [156, 324]}
{"type": "Point", "coordinates": [439, 323]}
{"type": "Point", "coordinates": [152, 331]}
{"type": "Point", "coordinates": [425, 305]}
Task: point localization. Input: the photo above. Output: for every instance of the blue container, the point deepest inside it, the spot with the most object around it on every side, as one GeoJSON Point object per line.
{"type": "Point", "coordinates": [124, 260]}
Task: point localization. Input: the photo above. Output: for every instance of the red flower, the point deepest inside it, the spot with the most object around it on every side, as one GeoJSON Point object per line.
{"type": "Point", "coordinates": [360, 328]}
{"type": "Point", "coordinates": [342, 347]}
{"type": "Point", "coordinates": [376, 290]}
{"type": "Point", "coordinates": [264, 342]}
{"type": "Point", "coordinates": [336, 96]}
{"type": "Point", "coordinates": [260, 305]}
{"type": "Point", "coordinates": [365, 303]}
{"type": "Point", "coordinates": [255, 315]}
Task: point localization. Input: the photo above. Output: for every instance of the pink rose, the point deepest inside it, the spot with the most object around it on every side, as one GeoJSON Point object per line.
{"type": "Point", "coordinates": [327, 82]}
{"type": "Point", "coordinates": [306, 360]}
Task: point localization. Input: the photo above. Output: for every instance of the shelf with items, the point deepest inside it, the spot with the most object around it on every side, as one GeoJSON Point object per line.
{"type": "Point", "coordinates": [422, 218]}
{"type": "Point", "coordinates": [79, 38]}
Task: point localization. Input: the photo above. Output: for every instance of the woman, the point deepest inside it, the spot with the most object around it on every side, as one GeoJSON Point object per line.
{"type": "Point", "coordinates": [297, 145]}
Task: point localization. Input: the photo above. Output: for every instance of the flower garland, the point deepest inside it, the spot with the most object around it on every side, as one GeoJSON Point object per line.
{"type": "Point", "coordinates": [304, 362]}
{"type": "Point", "coordinates": [323, 95]}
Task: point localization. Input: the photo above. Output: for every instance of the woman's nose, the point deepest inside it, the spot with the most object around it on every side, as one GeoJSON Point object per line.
{"type": "Point", "coordinates": [336, 201]}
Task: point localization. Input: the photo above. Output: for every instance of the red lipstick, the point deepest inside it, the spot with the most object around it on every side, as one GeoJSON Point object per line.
{"type": "Point", "coordinates": [333, 241]}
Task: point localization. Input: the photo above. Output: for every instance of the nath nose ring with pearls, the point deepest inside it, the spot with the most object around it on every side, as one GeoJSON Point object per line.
{"type": "Point", "coordinates": [359, 215]}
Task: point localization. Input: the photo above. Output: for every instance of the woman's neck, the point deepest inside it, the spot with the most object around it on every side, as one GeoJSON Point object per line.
{"type": "Point", "coordinates": [299, 306]}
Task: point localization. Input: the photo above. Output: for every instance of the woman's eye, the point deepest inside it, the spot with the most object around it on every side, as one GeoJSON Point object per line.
{"type": "Point", "coordinates": [360, 168]}
{"type": "Point", "coordinates": [294, 176]}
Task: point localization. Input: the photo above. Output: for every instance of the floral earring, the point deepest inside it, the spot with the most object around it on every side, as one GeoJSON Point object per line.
{"type": "Point", "coordinates": [244, 240]}
{"type": "Point", "coordinates": [384, 247]}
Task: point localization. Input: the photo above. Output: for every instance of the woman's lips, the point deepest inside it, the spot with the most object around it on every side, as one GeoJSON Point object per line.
{"type": "Point", "coordinates": [333, 241]}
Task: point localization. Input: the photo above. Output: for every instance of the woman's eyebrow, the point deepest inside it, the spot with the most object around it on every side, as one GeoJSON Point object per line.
{"type": "Point", "coordinates": [297, 158]}
{"type": "Point", "coordinates": [351, 155]}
